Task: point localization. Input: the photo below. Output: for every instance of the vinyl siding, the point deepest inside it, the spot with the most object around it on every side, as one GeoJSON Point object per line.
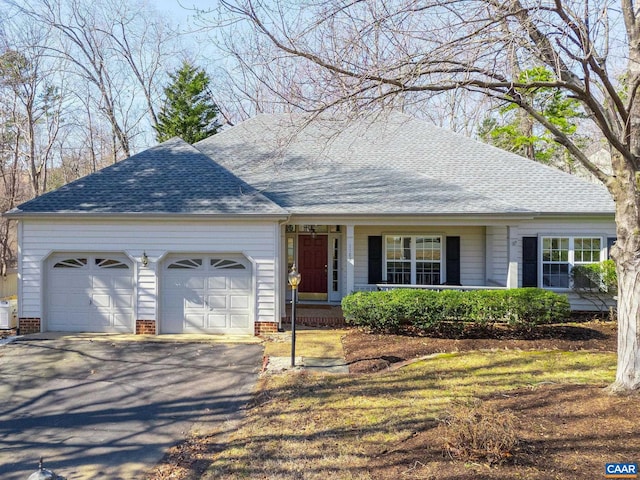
{"type": "Point", "coordinates": [40, 238]}
{"type": "Point", "coordinates": [497, 256]}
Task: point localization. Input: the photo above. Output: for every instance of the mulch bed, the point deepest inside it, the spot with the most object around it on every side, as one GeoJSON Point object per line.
{"type": "Point", "coordinates": [367, 352]}
{"type": "Point", "coordinates": [567, 431]}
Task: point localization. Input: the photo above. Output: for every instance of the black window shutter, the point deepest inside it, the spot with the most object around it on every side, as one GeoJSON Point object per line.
{"type": "Point", "coordinates": [529, 261]}
{"type": "Point", "coordinates": [610, 242]}
{"type": "Point", "coordinates": [453, 261]}
{"type": "Point", "coordinates": [375, 259]}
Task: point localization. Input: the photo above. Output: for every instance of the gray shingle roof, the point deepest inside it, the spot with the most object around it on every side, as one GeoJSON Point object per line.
{"type": "Point", "coordinates": [276, 164]}
{"type": "Point", "coordinates": [393, 165]}
{"type": "Point", "coordinates": [171, 178]}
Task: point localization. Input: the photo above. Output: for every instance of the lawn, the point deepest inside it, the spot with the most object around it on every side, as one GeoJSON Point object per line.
{"type": "Point", "coordinates": [388, 424]}
{"type": "Point", "coordinates": [384, 426]}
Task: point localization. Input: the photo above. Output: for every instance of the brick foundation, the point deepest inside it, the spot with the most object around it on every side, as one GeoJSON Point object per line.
{"type": "Point", "coordinates": [145, 327]}
{"type": "Point", "coordinates": [317, 321]}
{"type": "Point", "coordinates": [263, 328]}
{"type": "Point", "coordinates": [28, 325]}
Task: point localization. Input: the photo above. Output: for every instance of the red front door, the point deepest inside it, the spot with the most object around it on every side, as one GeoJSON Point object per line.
{"type": "Point", "coordinates": [312, 265]}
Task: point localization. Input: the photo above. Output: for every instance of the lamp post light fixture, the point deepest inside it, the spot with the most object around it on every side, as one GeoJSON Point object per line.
{"type": "Point", "coordinates": [44, 474]}
{"type": "Point", "coordinates": [294, 280]}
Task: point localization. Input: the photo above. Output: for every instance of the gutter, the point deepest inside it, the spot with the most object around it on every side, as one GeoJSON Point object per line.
{"type": "Point", "coordinates": [15, 215]}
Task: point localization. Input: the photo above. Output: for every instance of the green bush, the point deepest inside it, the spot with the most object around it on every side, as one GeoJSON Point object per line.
{"type": "Point", "coordinates": [596, 277]}
{"type": "Point", "coordinates": [451, 310]}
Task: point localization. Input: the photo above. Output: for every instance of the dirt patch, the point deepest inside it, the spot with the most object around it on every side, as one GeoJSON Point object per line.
{"type": "Point", "coordinates": [189, 459]}
{"type": "Point", "coordinates": [558, 440]}
{"type": "Point", "coordinates": [367, 352]}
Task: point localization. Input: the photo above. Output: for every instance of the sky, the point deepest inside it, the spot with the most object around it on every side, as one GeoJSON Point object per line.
{"type": "Point", "coordinates": [195, 39]}
{"type": "Point", "coordinates": [181, 10]}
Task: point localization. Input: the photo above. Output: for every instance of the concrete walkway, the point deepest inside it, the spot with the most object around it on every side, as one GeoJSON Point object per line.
{"type": "Point", "coordinates": [311, 364]}
{"type": "Point", "coordinates": [317, 350]}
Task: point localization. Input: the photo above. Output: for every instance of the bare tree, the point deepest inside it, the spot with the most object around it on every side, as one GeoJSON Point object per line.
{"type": "Point", "coordinates": [373, 53]}
{"type": "Point", "coordinates": [79, 81]}
{"type": "Point", "coordinates": [34, 100]}
{"type": "Point", "coordinates": [121, 50]}
{"type": "Point", "coordinates": [10, 185]}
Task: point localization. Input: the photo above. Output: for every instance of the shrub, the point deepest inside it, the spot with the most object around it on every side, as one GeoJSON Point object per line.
{"type": "Point", "coordinates": [527, 307]}
{"type": "Point", "coordinates": [377, 312]}
{"type": "Point", "coordinates": [600, 277]}
{"type": "Point", "coordinates": [479, 432]}
{"type": "Point", "coordinates": [450, 310]}
{"type": "Point", "coordinates": [597, 283]}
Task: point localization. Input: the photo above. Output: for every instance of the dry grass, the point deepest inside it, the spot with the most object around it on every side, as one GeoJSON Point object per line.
{"type": "Point", "coordinates": [479, 431]}
{"type": "Point", "coordinates": [349, 427]}
{"type": "Point", "coordinates": [309, 343]}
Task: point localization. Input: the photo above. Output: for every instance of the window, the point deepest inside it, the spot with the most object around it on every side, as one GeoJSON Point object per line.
{"type": "Point", "coordinates": [110, 263]}
{"type": "Point", "coordinates": [291, 254]}
{"type": "Point", "coordinates": [560, 254]}
{"type": "Point", "coordinates": [335, 264]}
{"type": "Point", "coordinates": [71, 263]}
{"type": "Point", "coordinates": [398, 260]}
{"type": "Point", "coordinates": [225, 264]}
{"type": "Point", "coordinates": [186, 263]}
{"type": "Point", "coordinates": [413, 260]}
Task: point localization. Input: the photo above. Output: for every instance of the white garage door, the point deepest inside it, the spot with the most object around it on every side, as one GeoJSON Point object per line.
{"type": "Point", "coordinates": [206, 294]}
{"type": "Point", "coordinates": [90, 293]}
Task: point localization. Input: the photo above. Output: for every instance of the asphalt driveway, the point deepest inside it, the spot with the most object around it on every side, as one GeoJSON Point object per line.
{"type": "Point", "coordinates": [110, 409]}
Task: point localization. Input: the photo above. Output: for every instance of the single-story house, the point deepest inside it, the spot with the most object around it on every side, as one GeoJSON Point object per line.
{"type": "Point", "coordinates": [183, 238]}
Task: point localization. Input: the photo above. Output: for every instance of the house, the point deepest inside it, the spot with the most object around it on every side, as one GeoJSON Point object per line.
{"type": "Point", "coordinates": [183, 238]}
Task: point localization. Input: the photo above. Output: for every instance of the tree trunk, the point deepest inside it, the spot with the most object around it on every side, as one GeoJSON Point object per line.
{"type": "Point", "coordinates": [626, 254]}
{"type": "Point", "coordinates": [628, 270]}
{"type": "Point", "coordinates": [628, 372]}
{"type": "Point", "coordinates": [625, 188]}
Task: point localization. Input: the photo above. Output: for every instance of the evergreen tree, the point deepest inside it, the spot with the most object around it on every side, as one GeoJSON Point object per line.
{"type": "Point", "coordinates": [512, 129]}
{"type": "Point", "coordinates": [188, 111]}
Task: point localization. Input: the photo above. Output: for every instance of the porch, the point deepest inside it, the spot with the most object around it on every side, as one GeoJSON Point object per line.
{"type": "Point", "coordinates": [464, 253]}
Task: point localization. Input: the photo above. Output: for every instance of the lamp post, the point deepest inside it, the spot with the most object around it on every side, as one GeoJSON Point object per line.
{"type": "Point", "coordinates": [44, 474]}
{"type": "Point", "coordinates": [294, 280]}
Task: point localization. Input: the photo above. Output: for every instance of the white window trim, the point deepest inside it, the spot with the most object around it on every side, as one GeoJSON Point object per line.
{"type": "Point", "coordinates": [413, 261]}
{"type": "Point", "coordinates": [570, 258]}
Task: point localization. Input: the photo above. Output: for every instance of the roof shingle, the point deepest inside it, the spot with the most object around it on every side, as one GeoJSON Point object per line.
{"type": "Point", "coordinates": [278, 164]}
{"type": "Point", "coordinates": [170, 178]}
{"type": "Point", "coordinates": [392, 165]}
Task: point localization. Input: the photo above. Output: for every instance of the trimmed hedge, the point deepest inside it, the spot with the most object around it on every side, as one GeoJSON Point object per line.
{"type": "Point", "coordinates": [431, 311]}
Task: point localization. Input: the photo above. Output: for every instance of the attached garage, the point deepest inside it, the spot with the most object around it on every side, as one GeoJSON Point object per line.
{"type": "Point", "coordinates": [207, 294]}
{"type": "Point", "coordinates": [90, 293]}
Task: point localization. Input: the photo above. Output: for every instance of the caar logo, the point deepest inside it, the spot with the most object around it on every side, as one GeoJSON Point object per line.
{"type": "Point", "coordinates": [621, 470]}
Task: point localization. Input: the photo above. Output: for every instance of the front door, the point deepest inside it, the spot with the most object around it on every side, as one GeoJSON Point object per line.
{"type": "Point", "coordinates": [312, 265]}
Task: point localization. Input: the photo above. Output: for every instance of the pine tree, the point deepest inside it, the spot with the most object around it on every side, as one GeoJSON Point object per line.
{"type": "Point", "coordinates": [188, 111]}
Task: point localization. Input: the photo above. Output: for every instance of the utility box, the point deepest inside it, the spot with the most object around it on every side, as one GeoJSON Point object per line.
{"type": "Point", "coordinates": [7, 319]}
